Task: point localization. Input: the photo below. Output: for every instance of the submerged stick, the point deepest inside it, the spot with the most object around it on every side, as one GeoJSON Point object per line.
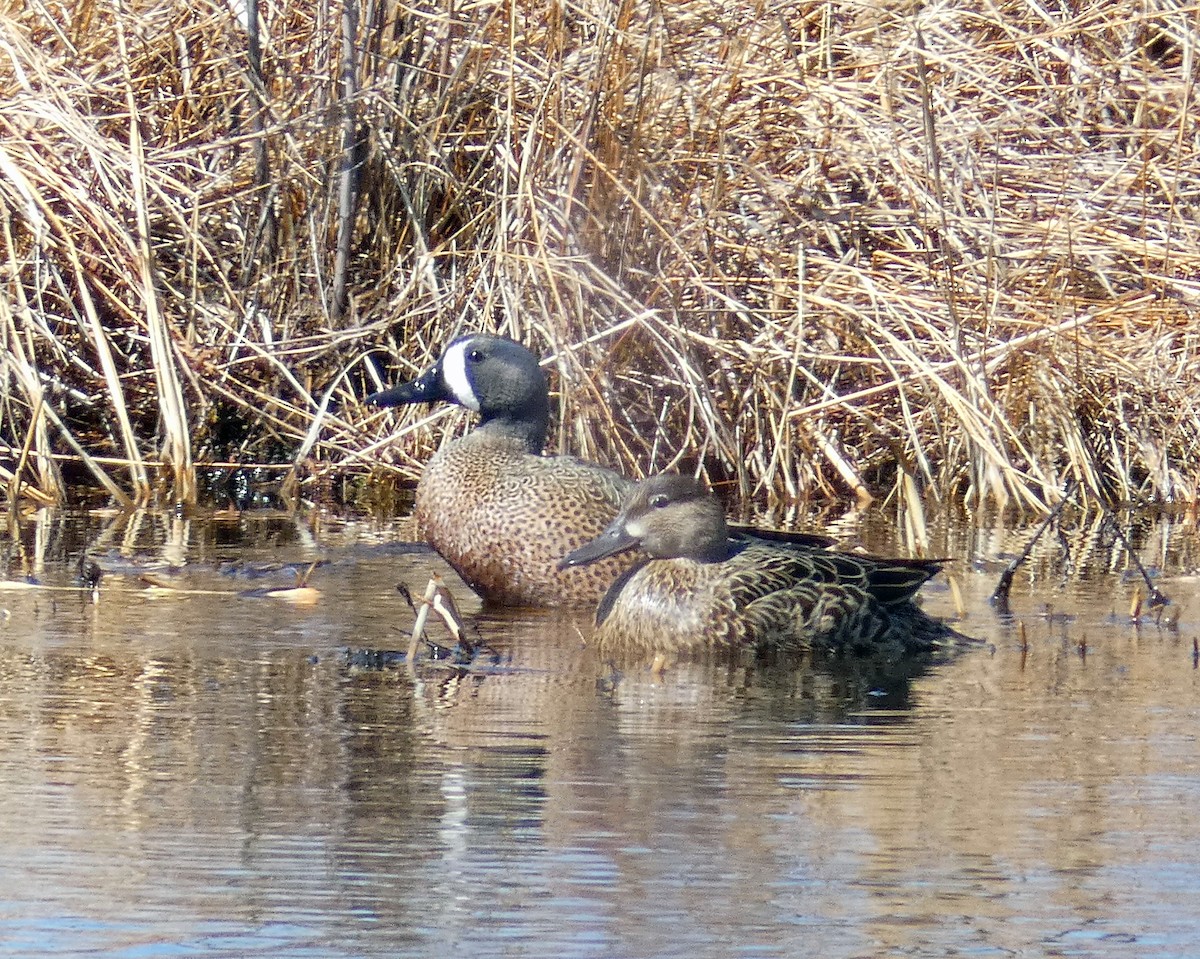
{"type": "Point", "coordinates": [422, 615]}
{"type": "Point", "coordinates": [1154, 596]}
{"type": "Point", "coordinates": [439, 599]}
{"type": "Point", "coordinates": [999, 596]}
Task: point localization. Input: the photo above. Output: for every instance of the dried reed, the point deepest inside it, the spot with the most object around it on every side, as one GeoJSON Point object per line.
{"type": "Point", "coordinates": [831, 250]}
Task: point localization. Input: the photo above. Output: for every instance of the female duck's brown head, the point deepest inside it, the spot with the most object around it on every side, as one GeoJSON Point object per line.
{"type": "Point", "coordinates": [669, 517]}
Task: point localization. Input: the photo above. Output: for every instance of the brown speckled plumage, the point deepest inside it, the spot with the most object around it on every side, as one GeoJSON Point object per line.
{"type": "Point", "coordinates": [703, 588]}
{"type": "Point", "coordinates": [497, 510]}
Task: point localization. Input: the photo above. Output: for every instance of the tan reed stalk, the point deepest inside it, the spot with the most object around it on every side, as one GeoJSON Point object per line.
{"type": "Point", "coordinates": [120, 497]}
{"type": "Point", "coordinates": [49, 482]}
{"type": "Point", "coordinates": [178, 449]}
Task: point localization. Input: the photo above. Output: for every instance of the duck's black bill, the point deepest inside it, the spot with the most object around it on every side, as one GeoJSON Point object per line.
{"type": "Point", "coordinates": [428, 388]}
{"type": "Point", "coordinates": [612, 541]}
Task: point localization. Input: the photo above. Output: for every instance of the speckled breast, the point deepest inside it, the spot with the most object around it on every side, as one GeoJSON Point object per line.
{"type": "Point", "coordinates": [503, 518]}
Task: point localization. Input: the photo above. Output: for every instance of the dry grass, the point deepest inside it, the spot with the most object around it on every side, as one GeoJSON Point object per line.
{"type": "Point", "coordinates": [821, 249]}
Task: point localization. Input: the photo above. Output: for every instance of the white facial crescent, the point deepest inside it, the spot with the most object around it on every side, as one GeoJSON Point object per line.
{"type": "Point", "coordinates": [454, 372]}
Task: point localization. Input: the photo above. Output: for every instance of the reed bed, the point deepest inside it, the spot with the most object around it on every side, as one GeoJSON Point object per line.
{"type": "Point", "coordinates": [819, 250]}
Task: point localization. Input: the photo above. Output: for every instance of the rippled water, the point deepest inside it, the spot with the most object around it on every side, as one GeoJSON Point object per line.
{"type": "Point", "coordinates": [194, 772]}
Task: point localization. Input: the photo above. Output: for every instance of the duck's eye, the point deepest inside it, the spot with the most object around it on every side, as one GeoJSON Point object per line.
{"type": "Point", "coordinates": [474, 355]}
{"type": "Point", "coordinates": [659, 500]}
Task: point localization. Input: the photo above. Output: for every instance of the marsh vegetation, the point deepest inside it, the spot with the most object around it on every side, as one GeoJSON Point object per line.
{"type": "Point", "coordinates": [818, 249]}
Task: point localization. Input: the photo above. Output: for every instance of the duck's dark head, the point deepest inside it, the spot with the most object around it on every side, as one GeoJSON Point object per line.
{"type": "Point", "coordinates": [493, 376]}
{"type": "Point", "coordinates": [669, 517]}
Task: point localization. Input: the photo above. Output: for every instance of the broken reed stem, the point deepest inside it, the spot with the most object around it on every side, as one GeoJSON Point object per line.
{"type": "Point", "coordinates": [115, 393]}
{"type": "Point", "coordinates": [93, 466]}
{"type": "Point", "coordinates": [120, 461]}
{"type": "Point", "coordinates": [48, 489]}
{"type": "Point", "coordinates": [418, 630]}
{"type": "Point", "coordinates": [15, 485]}
{"type": "Point", "coordinates": [1155, 597]}
{"type": "Point", "coordinates": [347, 197]}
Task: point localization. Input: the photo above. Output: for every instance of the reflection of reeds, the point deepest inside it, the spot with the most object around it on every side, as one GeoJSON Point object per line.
{"type": "Point", "coordinates": [837, 250]}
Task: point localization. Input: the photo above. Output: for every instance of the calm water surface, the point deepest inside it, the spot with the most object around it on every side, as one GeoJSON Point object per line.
{"type": "Point", "coordinates": [196, 772]}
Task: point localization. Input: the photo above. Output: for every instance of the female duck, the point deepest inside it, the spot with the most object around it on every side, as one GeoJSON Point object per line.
{"type": "Point", "coordinates": [497, 510]}
{"type": "Point", "coordinates": [702, 587]}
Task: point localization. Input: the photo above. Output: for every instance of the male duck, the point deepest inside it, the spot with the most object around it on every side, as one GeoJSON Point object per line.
{"type": "Point", "coordinates": [703, 587]}
{"type": "Point", "coordinates": [497, 510]}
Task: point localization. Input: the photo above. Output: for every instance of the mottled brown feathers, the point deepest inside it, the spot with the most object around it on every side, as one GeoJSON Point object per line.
{"type": "Point", "coordinates": [497, 510]}
{"type": "Point", "coordinates": [503, 518]}
{"type": "Point", "coordinates": [766, 595]}
{"type": "Point", "coordinates": [703, 588]}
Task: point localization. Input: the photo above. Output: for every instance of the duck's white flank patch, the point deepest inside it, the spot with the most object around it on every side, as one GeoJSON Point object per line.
{"type": "Point", "coordinates": [454, 372]}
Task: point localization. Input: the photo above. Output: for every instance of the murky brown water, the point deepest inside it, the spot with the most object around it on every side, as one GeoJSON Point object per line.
{"type": "Point", "coordinates": [194, 773]}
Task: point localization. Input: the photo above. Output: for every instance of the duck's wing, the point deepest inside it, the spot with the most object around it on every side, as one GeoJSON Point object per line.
{"type": "Point", "coordinates": [888, 580]}
{"type": "Point", "coordinates": [578, 479]}
{"type": "Point", "coordinates": [797, 597]}
{"type": "Point", "coordinates": [782, 537]}
{"type": "Point", "coordinates": [829, 600]}
{"type": "Point", "coordinates": [893, 581]}
{"type": "Point", "coordinates": [757, 570]}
